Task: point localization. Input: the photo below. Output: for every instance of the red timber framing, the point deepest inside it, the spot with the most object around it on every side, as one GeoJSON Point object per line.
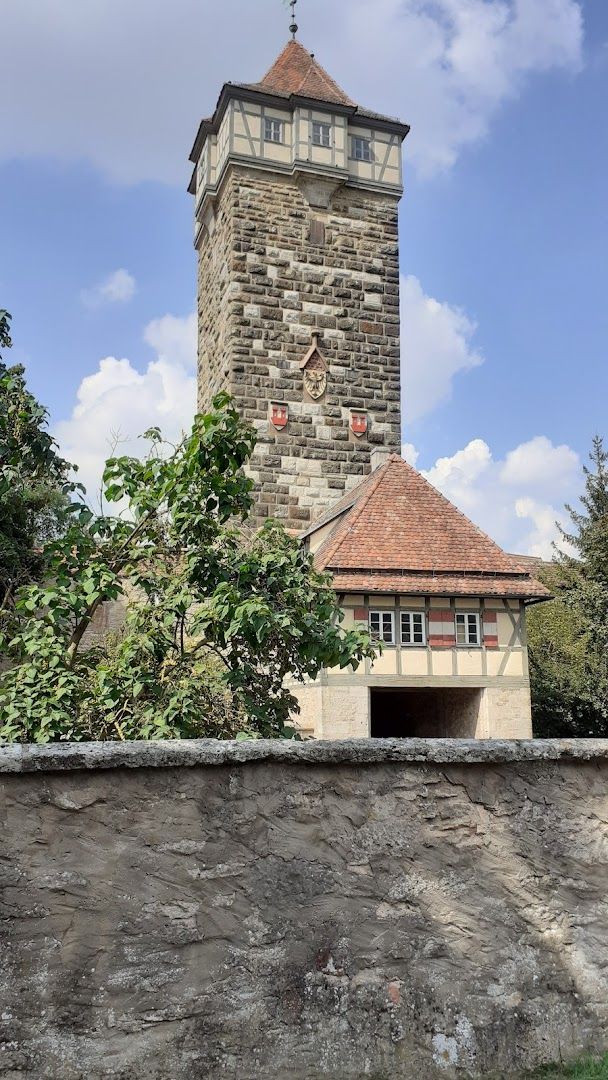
{"type": "Point", "coordinates": [490, 629]}
{"type": "Point", "coordinates": [442, 631]}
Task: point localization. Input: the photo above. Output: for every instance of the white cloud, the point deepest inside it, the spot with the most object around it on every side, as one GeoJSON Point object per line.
{"type": "Point", "coordinates": [118, 288]}
{"type": "Point", "coordinates": [543, 533]}
{"type": "Point", "coordinates": [409, 453]}
{"type": "Point", "coordinates": [118, 402]}
{"type": "Point", "coordinates": [435, 347]}
{"type": "Point", "coordinates": [539, 464]}
{"type": "Point", "coordinates": [124, 86]}
{"type": "Point", "coordinates": [460, 474]}
{"type": "Point", "coordinates": [174, 339]}
{"type": "Point", "coordinates": [509, 499]}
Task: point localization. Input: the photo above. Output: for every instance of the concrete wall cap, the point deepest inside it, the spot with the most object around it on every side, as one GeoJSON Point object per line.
{"type": "Point", "coordinates": [209, 752]}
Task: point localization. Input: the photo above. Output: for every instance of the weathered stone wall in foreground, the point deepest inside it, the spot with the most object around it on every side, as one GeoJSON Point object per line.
{"type": "Point", "coordinates": [336, 910]}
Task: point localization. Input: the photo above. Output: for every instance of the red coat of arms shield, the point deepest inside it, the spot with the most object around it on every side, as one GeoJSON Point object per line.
{"type": "Point", "coordinates": [279, 416]}
{"type": "Point", "coordinates": [358, 423]}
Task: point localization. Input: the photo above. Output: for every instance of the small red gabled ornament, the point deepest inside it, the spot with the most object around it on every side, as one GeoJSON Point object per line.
{"type": "Point", "coordinates": [358, 423]}
{"type": "Point", "coordinates": [279, 416]}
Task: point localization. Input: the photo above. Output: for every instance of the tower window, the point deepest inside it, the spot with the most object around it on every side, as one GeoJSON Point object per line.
{"type": "Point", "coordinates": [382, 626]}
{"type": "Point", "coordinates": [317, 232]}
{"type": "Point", "coordinates": [467, 629]}
{"type": "Point", "coordinates": [362, 149]}
{"type": "Point", "coordinates": [321, 134]}
{"type": "Point", "coordinates": [412, 628]}
{"type": "Point", "coordinates": [273, 130]}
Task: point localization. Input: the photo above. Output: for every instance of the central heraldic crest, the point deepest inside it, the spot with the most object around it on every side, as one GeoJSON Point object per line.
{"type": "Point", "coordinates": [314, 366]}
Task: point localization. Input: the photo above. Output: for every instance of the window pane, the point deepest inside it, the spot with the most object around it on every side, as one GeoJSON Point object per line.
{"type": "Point", "coordinates": [362, 149]}
{"type": "Point", "coordinates": [467, 629]}
{"type": "Point", "coordinates": [382, 626]}
{"type": "Point", "coordinates": [321, 134]}
{"type": "Point", "coordinates": [412, 628]}
{"type": "Point", "coordinates": [273, 130]}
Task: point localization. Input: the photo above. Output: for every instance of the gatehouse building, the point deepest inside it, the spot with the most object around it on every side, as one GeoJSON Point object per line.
{"type": "Point", "coordinates": [296, 194]}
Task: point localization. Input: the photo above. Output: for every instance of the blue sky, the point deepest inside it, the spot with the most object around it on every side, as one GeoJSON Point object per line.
{"type": "Point", "coordinates": [504, 225]}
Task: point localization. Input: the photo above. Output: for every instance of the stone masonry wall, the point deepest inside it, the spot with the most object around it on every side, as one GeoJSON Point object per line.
{"type": "Point", "coordinates": [345, 910]}
{"type": "Point", "coordinates": [272, 271]}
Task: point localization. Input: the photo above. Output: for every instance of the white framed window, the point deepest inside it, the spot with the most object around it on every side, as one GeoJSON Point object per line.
{"type": "Point", "coordinates": [468, 631]}
{"type": "Point", "coordinates": [273, 130]}
{"type": "Point", "coordinates": [321, 134]}
{"type": "Point", "coordinates": [413, 628]}
{"type": "Point", "coordinates": [362, 148]}
{"type": "Point", "coordinates": [382, 626]}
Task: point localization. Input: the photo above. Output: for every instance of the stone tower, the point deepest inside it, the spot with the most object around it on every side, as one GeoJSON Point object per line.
{"type": "Point", "coordinates": [296, 201]}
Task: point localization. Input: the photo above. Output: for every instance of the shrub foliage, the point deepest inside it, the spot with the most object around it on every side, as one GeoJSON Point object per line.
{"type": "Point", "coordinates": [219, 616]}
{"type": "Point", "coordinates": [34, 485]}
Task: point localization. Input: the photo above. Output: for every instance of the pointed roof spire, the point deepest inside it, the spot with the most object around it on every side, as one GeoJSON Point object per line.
{"type": "Point", "coordinates": [296, 71]}
{"type": "Point", "coordinates": [293, 29]}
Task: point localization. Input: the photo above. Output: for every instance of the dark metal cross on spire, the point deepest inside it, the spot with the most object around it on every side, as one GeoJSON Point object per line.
{"type": "Point", "coordinates": [293, 29]}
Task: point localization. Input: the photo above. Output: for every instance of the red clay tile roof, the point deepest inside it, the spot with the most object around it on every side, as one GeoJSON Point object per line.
{"type": "Point", "coordinates": [396, 521]}
{"type": "Point", "coordinates": [524, 588]}
{"type": "Point", "coordinates": [296, 71]}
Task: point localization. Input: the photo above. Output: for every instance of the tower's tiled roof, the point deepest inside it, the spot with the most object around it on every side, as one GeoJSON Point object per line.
{"type": "Point", "coordinates": [296, 71]}
{"type": "Point", "coordinates": [396, 533]}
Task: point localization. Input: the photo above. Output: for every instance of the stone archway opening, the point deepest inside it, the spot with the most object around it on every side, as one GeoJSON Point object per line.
{"type": "Point", "coordinates": [437, 713]}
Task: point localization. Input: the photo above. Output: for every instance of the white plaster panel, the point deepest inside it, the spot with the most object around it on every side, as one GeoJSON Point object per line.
{"type": "Point", "coordinates": [442, 661]}
{"type": "Point", "coordinates": [469, 662]}
{"type": "Point", "coordinates": [385, 664]}
{"type": "Point", "coordinates": [414, 661]}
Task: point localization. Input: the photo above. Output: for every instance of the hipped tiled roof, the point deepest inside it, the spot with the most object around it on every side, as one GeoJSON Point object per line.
{"type": "Point", "coordinates": [396, 521]}
{"type": "Point", "coordinates": [297, 72]}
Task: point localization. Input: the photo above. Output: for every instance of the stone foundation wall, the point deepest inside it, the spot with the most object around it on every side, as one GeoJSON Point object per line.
{"type": "Point", "coordinates": [344, 910]}
{"type": "Point", "coordinates": [340, 709]}
{"type": "Point", "coordinates": [506, 713]}
{"type": "Point", "coordinates": [273, 270]}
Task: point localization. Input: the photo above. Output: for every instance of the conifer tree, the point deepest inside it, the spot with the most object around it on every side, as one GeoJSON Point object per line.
{"type": "Point", "coordinates": [569, 637]}
{"type": "Point", "coordinates": [583, 584]}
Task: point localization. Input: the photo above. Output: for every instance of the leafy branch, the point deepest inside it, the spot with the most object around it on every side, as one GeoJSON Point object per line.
{"type": "Point", "coordinates": [220, 617]}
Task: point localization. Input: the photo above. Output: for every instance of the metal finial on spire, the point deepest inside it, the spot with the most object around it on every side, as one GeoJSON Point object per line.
{"type": "Point", "coordinates": [293, 29]}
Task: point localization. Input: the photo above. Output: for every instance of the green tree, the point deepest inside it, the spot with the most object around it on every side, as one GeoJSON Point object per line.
{"type": "Point", "coordinates": [569, 637]}
{"type": "Point", "coordinates": [561, 669]}
{"type": "Point", "coordinates": [5, 330]}
{"type": "Point", "coordinates": [220, 616]}
{"type": "Point", "coordinates": [584, 579]}
{"type": "Point", "coordinates": [33, 480]}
